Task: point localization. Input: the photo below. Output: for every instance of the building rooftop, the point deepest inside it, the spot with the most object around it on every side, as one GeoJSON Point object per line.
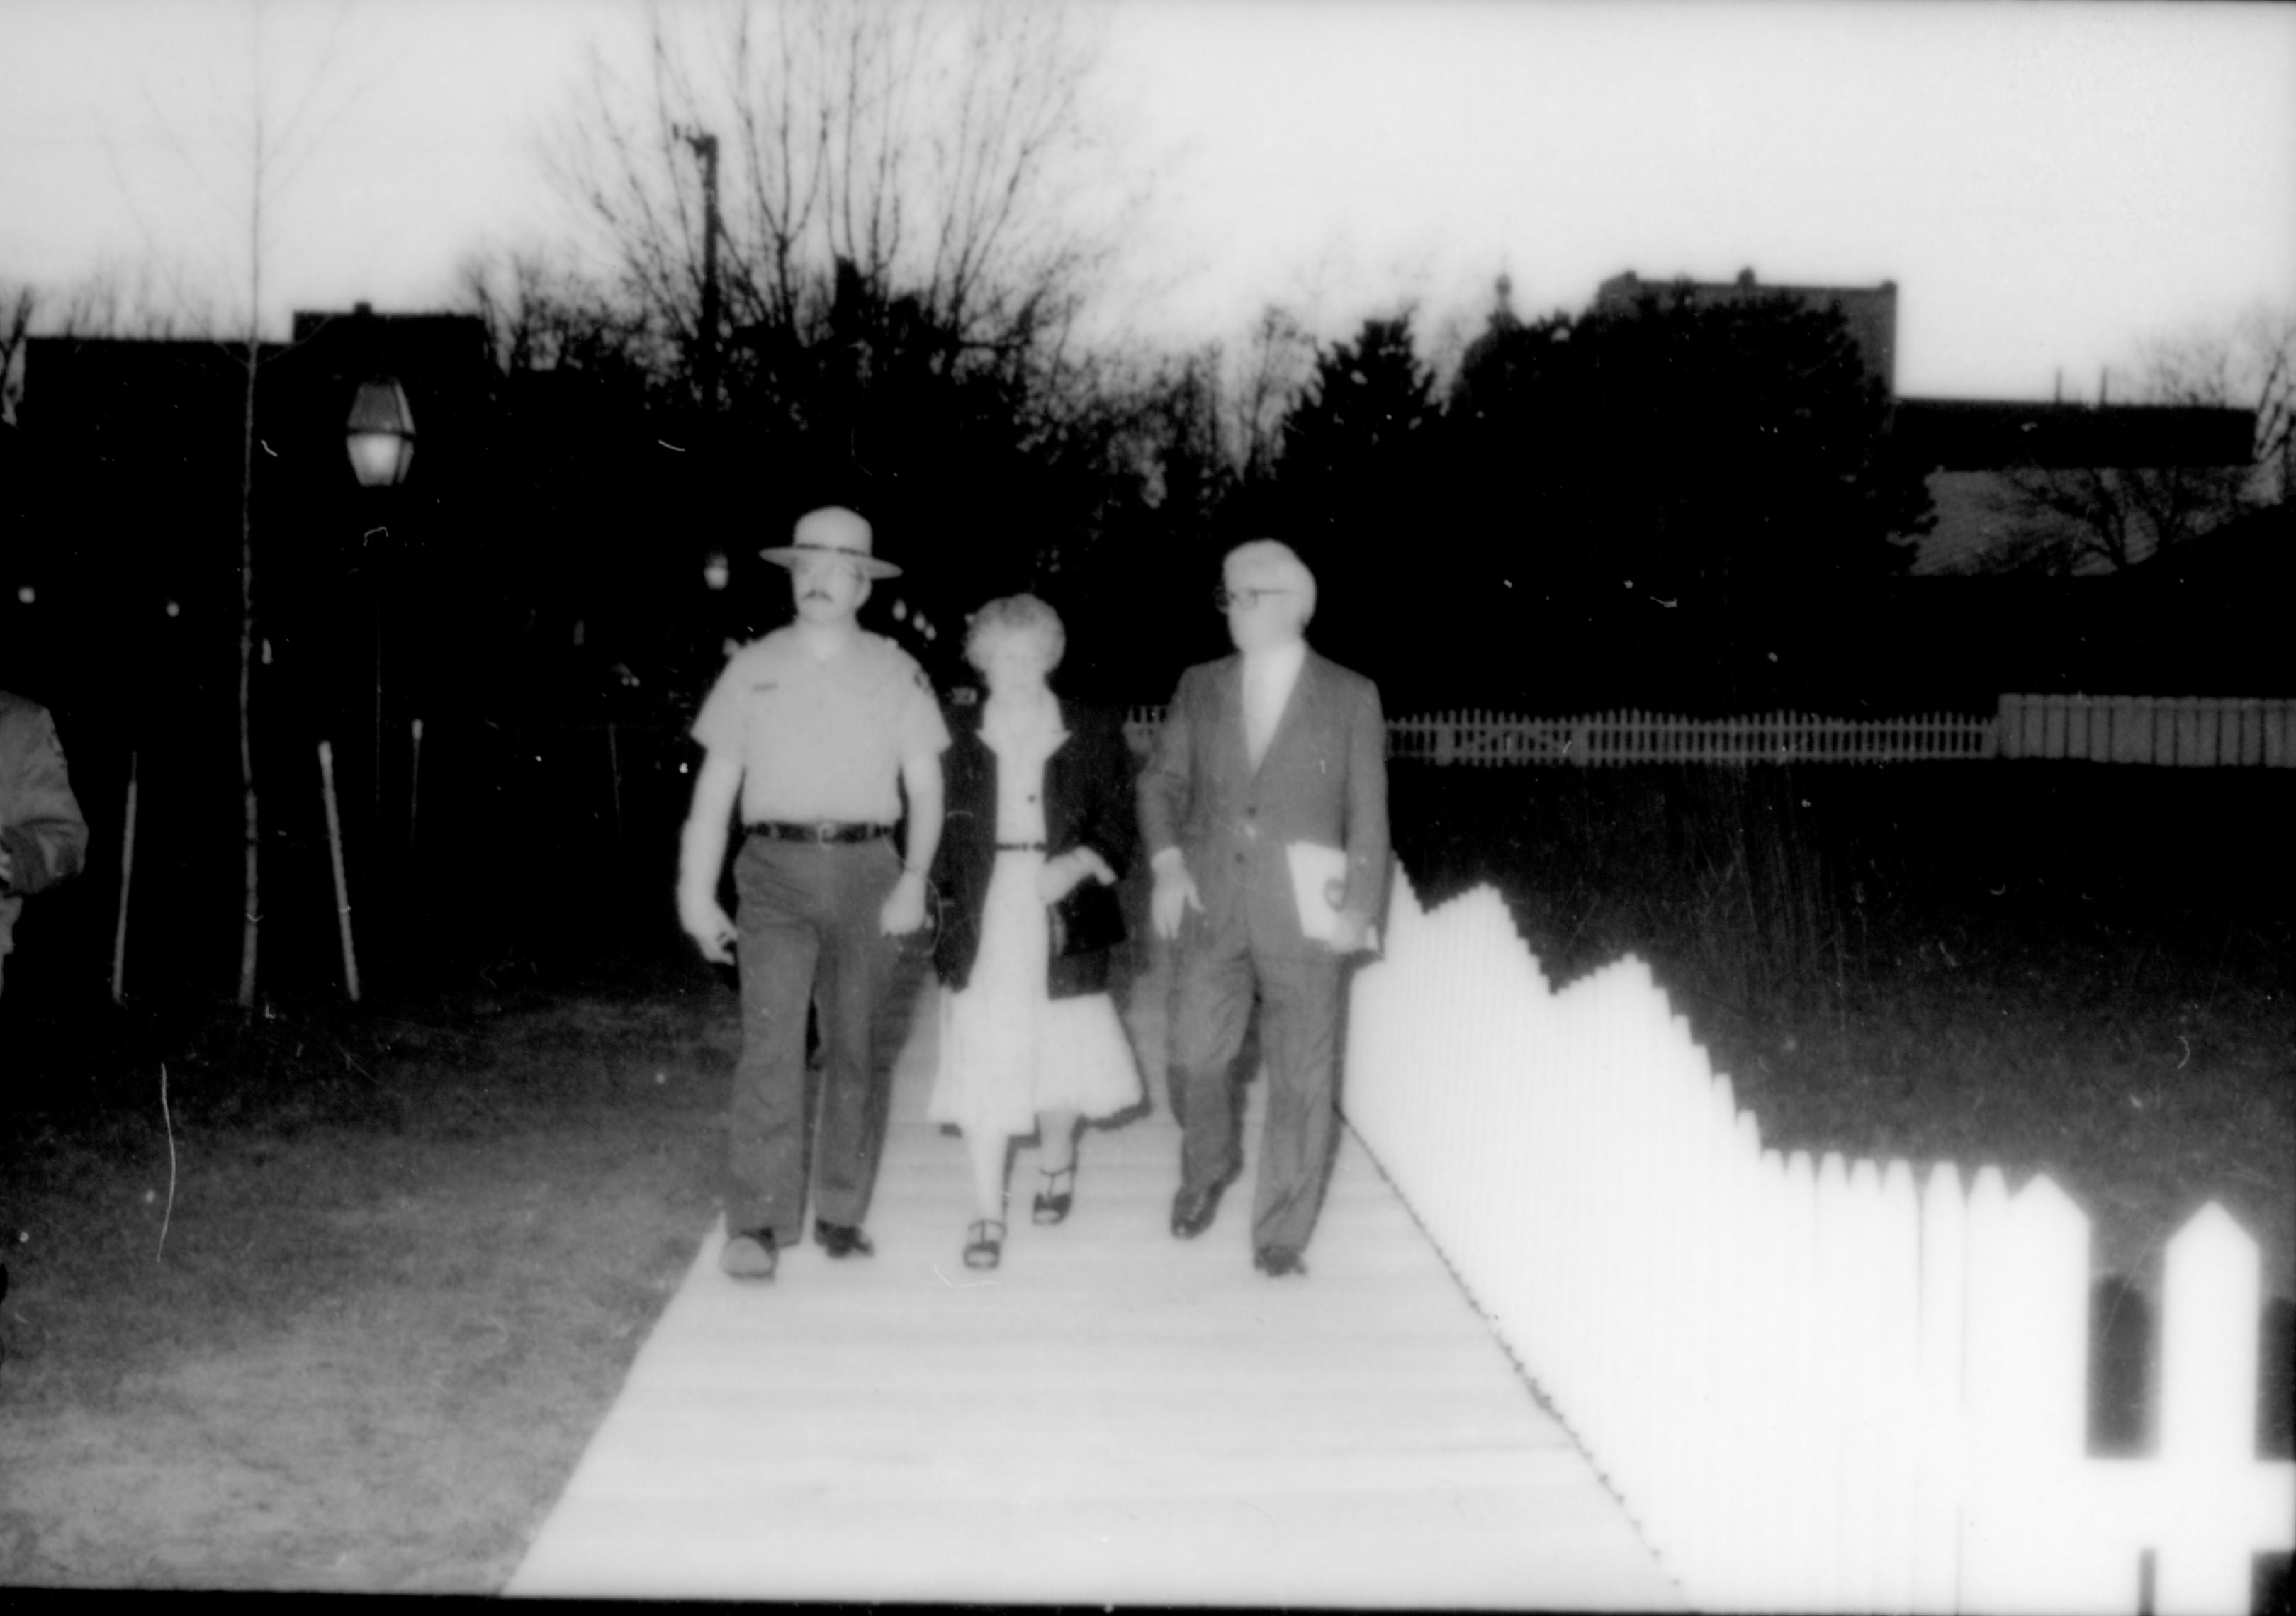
{"type": "Point", "coordinates": [1869, 312]}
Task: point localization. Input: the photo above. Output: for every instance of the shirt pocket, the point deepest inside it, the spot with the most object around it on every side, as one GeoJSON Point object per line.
{"type": "Point", "coordinates": [766, 709]}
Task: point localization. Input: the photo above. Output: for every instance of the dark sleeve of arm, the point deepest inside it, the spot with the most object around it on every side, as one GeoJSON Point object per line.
{"type": "Point", "coordinates": [48, 837]}
{"type": "Point", "coordinates": [1163, 788]}
{"type": "Point", "coordinates": [1367, 830]}
{"type": "Point", "coordinates": [1112, 823]}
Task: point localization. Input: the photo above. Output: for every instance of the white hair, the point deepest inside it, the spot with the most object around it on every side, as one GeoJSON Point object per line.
{"type": "Point", "coordinates": [1273, 555]}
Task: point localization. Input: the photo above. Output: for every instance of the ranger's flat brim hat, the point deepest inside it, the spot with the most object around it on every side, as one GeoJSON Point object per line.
{"type": "Point", "coordinates": [835, 532]}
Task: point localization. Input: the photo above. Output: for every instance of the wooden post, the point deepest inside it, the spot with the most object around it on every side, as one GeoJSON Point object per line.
{"type": "Point", "coordinates": [415, 785]}
{"type": "Point", "coordinates": [126, 871]}
{"type": "Point", "coordinates": [336, 849]}
{"type": "Point", "coordinates": [614, 760]}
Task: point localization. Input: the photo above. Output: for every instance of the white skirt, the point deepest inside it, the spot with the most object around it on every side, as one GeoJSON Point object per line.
{"type": "Point", "coordinates": [1008, 1050]}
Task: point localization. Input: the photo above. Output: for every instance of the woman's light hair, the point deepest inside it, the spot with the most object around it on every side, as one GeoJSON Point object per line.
{"type": "Point", "coordinates": [1014, 616]}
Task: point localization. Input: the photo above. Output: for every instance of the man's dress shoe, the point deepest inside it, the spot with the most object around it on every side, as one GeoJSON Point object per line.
{"type": "Point", "coordinates": [1193, 1211]}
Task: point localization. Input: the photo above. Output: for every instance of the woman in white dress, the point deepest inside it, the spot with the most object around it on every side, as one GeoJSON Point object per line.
{"type": "Point", "coordinates": [1039, 825]}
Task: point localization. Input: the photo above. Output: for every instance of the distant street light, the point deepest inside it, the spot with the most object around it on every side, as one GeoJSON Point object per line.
{"type": "Point", "coordinates": [381, 435]}
{"type": "Point", "coordinates": [381, 438]}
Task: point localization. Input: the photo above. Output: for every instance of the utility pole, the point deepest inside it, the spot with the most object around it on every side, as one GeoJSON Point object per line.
{"type": "Point", "coordinates": [705, 359]}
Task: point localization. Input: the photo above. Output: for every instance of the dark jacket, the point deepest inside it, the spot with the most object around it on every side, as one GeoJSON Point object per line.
{"type": "Point", "coordinates": [40, 821]}
{"type": "Point", "coordinates": [1088, 802]}
{"type": "Point", "coordinates": [1324, 780]}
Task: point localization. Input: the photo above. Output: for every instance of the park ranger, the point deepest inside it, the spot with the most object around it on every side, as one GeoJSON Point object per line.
{"type": "Point", "coordinates": [816, 730]}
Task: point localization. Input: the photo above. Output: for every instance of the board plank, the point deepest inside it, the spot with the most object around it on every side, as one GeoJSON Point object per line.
{"type": "Point", "coordinates": [1112, 1417]}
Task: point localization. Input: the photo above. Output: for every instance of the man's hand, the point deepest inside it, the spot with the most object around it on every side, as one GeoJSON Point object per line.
{"type": "Point", "coordinates": [708, 924]}
{"type": "Point", "coordinates": [8, 868]}
{"type": "Point", "coordinates": [1063, 875]}
{"type": "Point", "coordinates": [1350, 932]}
{"type": "Point", "coordinates": [905, 910]}
{"type": "Point", "coordinates": [1175, 895]}
{"type": "Point", "coordinates": [702, 855]}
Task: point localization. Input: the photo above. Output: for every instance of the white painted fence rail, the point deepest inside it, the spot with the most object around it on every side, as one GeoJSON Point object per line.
{"type": "Point", "coordinates": [1832, 1385]}
{"type": "Point", "coordinates": [2188, 731]}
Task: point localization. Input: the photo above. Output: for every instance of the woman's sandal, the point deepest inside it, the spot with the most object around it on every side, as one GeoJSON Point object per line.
{"type": "Point", "coordinates": [982, 1248]}
{"type": "Point", "coordinates": [1051, 1207]}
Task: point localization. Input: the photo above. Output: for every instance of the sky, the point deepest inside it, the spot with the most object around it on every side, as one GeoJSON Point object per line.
{"type": "Point", "coordinates": [2048, 185]}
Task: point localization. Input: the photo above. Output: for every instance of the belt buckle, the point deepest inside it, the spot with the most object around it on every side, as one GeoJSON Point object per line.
{"type": "Point", "coordinates": [824, 832]}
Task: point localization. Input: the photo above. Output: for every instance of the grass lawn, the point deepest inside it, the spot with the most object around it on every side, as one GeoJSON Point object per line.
{"type": "Point", "coordinates": [404, 1264]}
{"type": "Point", "coordinates": [344, 1315]}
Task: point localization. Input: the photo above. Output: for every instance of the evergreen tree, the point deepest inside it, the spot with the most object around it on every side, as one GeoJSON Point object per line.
{"type": "Point", "coordinates": [1350, 493]}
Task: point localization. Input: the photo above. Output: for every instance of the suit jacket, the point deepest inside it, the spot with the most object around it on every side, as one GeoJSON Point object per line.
{"type": "Point", "coordinates": [40, 821]}
{"type": "Point", "coordinates": [1324, 780]}
{"type": "Point", "coordinates": [1087, 795]}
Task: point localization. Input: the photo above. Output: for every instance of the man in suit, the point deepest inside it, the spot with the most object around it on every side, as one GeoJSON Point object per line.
{"type": "Point", "coordinates": [1268, 758]}
{"type": "Point", "coordinates": [43, 836]}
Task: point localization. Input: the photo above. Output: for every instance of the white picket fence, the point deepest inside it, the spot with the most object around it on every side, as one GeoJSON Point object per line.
{"type": "Point", "coordinates": [2193, 730]}
{"type": "Point", "coordinates": [1830, 1386]}
{"type": "Point", "coordinates": [1619, 738]}
{"type": "Point", "coordinates": [2186, 731]}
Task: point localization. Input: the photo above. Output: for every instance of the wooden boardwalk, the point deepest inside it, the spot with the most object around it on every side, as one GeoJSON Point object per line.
{"type": "Point", "coordinates": [1113, 1416]}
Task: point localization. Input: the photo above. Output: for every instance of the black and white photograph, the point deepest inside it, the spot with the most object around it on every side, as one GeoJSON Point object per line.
{"type": "Point", "coordinates": [1151, 804]}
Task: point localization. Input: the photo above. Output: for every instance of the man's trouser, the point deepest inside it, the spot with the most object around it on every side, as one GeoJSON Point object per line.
{"type": "Point", "coordinates": [810, 936]}
{"type": "Point", "coordinates": [1300, 997]}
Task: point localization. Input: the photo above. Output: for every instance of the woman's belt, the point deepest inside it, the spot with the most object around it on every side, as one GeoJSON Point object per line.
{"type": "Point", "coordinates": [818, 831]}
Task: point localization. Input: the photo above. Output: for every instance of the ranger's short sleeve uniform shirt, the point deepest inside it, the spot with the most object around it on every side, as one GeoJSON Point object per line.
{"type": "Point", "coordinates": [821, 740]}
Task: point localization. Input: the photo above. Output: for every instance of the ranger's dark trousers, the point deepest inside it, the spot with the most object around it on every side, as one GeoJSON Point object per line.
{"type": "Point", "coordinates": [809, 923]}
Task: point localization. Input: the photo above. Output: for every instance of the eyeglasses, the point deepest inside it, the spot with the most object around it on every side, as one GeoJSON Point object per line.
{"type": "Point", "coordinates": [1227, 599]}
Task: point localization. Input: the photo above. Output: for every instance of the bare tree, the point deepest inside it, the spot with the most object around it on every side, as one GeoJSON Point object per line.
{"type": "Point", "coordinates": [2090, 518]}
{"type": "Point", "coordinates": [2249, 364]}
{"type": "Point", "coordinates": [139, 300]}
{"type": "Point", "coordinates": [2086, 519]}
{"type": "Point", "coordinates": [2271, 347]}
{"type": "Point", "coordinates": [941, 154]}
{"type": "Point", "coordinates": [113, 302]}
{"type": "Point", "coordinates": [276, 147]}
{"type": "Point", "coordinates": [17, 305]}
{"type": "Point", "coordinates": [541, 318]}
{"type": "Point", "coordinates": [1273, 371]}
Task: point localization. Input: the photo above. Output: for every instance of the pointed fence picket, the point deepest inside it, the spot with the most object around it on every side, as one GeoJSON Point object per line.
{"type": "Point", "coordinates": [1829, 1385]}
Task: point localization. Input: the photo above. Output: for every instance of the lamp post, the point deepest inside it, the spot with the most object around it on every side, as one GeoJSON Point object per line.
{"type": "Point", "coordinates": [380, 436]}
